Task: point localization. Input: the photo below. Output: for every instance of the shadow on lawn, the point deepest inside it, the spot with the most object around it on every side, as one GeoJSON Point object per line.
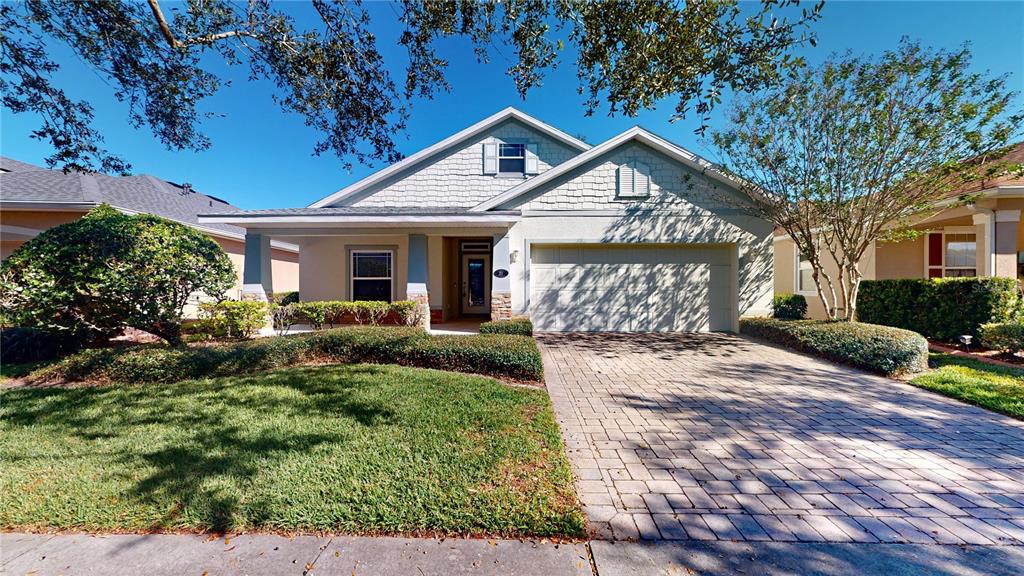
{"type": "Point", "coordinates": [212, 458]}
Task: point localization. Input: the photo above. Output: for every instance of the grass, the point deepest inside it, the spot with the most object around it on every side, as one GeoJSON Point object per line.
{"type": "Point", "coordinates": [996, 388]}
{"type": "Point", "coordinates": [352, 449]}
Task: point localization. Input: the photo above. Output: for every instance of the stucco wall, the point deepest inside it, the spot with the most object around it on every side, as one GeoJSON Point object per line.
{"type": "Point", "coordinates": [456, 178]}
{"type": "Point", "coordinates": [785, 274]}
{"type": "Point", "coordinates": [323, 264]}
{"type": "Point", "coordinates": [900, 259]}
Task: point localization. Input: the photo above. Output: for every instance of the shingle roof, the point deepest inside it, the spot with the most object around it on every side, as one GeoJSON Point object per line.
{"type": "Point", "coordinates": [142, 193]}
{"type": "Point", "coordinates": [12, 165]}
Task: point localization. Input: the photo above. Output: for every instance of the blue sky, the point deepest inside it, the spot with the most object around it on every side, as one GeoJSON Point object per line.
{"type": "Point", "coordinates": [262, 158]}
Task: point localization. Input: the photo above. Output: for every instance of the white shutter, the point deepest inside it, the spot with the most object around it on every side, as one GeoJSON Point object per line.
{"type": "Point", "coordinates": [641, 179]}
{"type": "Point", "coordinates": [490, 158]}
{"type": "Point", "coordinates": [625, 180]}
{"type": "Point", "coordinates": [532, 163]}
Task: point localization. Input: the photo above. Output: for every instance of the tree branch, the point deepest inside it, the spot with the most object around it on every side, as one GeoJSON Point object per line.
{"type": "Point", "coordinates": [165, 29]}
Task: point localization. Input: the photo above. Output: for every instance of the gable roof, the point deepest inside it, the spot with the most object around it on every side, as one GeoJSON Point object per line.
{"type": "Point", "coordinates": [54, 190]}
{"type": "Point", "coordinates": [634, 134]}
{"type": "Point", "coordinates": [453, 140]}
{"type": "Point", "coordinates": [12, 165]}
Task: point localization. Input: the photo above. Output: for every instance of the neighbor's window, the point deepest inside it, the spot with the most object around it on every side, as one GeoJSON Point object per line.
{"type": "Point", "coordinates": [512, 158]}
{"type": "Point", "coordinates": [961, 254]}
{"type": "Point", "coordinates": [804, 273]}
{"type": "Point", "coordinates": [371, 275]}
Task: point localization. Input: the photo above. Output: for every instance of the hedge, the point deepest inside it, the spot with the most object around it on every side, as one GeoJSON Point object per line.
{"type": "Point", "coordinates": [491, 354]}
{"type": "Point", "coordinates": [939, 308]}
{"type": "Point", "coordinates": [881, 349]}
{"type": "Point", "coordinates": [520, 326]}
{"type": "Point", "coordinates": [20, 345]}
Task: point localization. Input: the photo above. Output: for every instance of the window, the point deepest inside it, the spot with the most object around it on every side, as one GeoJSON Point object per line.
{"type": "Point", "coordinates": [634, 180]}
{"type": "Point", "coordinates": [512, 158]}
{"type": "Point", "coordinates": [952, 254]}
{"type": "Point", "coordinates": [960, 255]}
{"type": "Point", "coordinates": [371, 275]}
{"type": "Point", "coordinates": [804, 273]}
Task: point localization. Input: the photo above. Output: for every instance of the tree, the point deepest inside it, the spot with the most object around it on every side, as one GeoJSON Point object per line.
{"type": "Point", "coordinates": [631, 53]}
{"type": "Point", "coordinates": [857, 150]}
{"type": "Point", "coordinates": [107, 271]}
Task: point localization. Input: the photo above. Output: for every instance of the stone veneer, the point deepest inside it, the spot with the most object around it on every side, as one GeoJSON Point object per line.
{"type": "Point", "coordinates": [422, 301]}
{"type": "Point", "coordinates": [501, 306]}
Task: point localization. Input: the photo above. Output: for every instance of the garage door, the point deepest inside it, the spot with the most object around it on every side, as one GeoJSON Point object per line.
{"type": "Point", "coordinates": [630, 288]}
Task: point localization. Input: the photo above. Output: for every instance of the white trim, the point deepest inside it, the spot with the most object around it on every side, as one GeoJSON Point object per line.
{"type": "Point", "coordinates": [19, 230]}
{"type": "Point", "coordinates": [1007, 215]}
{"type": "Point", "coordinates": [28, 205]}
{"type": "Point", "coordinates": [942, 267]}
{"type": "Point", "coordinates": [636, 133]}
{"type": "Point", "coordinates": [462, 135]}
{"type": "Point", "coordinates": [312, 219]}
{"type": "Point", "coordinates": [352, 269]}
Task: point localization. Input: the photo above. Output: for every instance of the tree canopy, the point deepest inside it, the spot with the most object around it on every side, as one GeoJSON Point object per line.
{"type": "Point", "coordinates": [159, 61]}
{"type": "Point", "coordinates": [107, 271]}
{"type": "Point", "coordinates": [858, 149]}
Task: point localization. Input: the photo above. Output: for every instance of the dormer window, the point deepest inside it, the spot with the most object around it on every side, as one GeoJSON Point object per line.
{"type": "Point", "coordinates": [510, 158]}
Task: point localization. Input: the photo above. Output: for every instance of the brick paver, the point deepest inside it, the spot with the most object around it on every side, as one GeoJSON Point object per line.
{"type": "Point", "coordinates": [705, 436]}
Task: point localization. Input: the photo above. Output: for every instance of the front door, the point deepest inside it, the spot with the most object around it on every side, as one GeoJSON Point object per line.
{"type": "Point", "coordinates": [476, 283]}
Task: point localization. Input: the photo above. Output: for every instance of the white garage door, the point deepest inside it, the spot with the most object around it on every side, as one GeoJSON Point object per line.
{"type": "Point", "coordinates": [630, 288]}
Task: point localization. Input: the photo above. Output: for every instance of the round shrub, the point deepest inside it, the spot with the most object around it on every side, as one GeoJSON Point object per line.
{"type": "Point", "coordinates": [789, 306]}
{"type": "Point", "coordinates": [1004, 336]}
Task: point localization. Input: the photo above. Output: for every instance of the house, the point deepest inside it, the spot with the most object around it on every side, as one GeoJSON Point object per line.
{"type": "Point", "coordinates": [512, 216]}
{"type": "Point", "coordinates": [33, 199]}
{"type": "Point", "coordinates": [983, 238]}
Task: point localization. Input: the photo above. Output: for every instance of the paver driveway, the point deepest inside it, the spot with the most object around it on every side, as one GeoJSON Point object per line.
{"type": "Point", "coordinates": [717, 437]}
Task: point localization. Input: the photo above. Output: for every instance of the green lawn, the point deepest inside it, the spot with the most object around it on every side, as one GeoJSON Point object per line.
{"type": "Point", "coordinates": [993, 387]}
{"type": "Point", "coordinates": [351, 448]}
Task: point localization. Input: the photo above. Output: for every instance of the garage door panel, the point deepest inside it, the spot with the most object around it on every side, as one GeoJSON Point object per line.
{"type": "Point", "coordinates": [630, 288]}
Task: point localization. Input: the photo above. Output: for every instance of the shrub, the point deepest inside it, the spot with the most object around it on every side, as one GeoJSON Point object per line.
{"type": "Point", "coordinates": [371, 311]}
{"type": "Point", "coordinates": [492, 354]}
{"type": "Point", "coordinates": [107, 271]}
{"type": "Point", "coordinates": [284, 298]}
{"type": "Point", "coordinates": [789, 306]}
{"type": "Point", "coordinates": [939, 308]}
{"type": "Point", "coordinates": [519, 326]}
{"type": "Point", "coordinates": [1005, 336]}
{"type": "Point", "coordinates": [283, 317]}
{"type": "Point", "coordinates": [882, 349]}
{"type": "Point", "coordinates": [315, 313]}
{"type": "Point", "coordinates": [20, 345]}
{"type": "Point", "coordinates": [231, 319]}
{"type": "Point", "coordinates": [408, 312]}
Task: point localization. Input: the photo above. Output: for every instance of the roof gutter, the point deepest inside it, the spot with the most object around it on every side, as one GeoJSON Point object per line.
{"type": "Point", "coordinates": [256, 221]}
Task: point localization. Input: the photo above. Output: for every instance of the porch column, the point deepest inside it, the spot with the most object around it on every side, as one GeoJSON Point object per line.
{"type": "Point", "coordinates": [1006, 243]}
{"type": "Point", "coordinates": [501, 282]}
{"type": "Point", "coordinates": [416, 276]}
{"type": "Point", "coordinates": [257, 276]}
{"type": "Point", "coordinates": [983, 235]}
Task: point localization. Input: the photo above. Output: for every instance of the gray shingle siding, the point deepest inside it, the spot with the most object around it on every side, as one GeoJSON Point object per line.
{"type": "Point", "coordinates": [456, 179]}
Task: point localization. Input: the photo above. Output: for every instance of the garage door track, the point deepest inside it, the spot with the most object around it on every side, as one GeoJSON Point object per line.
{"type": "Point", "coordinates": [714, 437]}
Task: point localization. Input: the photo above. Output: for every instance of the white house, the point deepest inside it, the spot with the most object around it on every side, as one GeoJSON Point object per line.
{"type": "Point", "coordinates": [513, 216]}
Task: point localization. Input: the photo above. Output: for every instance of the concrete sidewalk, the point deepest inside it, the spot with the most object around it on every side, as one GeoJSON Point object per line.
{"type": "Point", "coordinates": [258, 555]}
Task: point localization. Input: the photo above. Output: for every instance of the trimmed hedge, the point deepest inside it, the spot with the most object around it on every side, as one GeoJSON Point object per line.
{"type": "Point", "coordinates": [939, 308]}
{"type": "Point", "coordinates": [491, 354]}
{"type": "Point", "coordinates": [520, 326]}
{"type": "Point", "coordinates": [1004, 336]}
{"type": "Point", "coordinates": [789, 306]}
{"type": "Point", "coordinates": [881, 349]}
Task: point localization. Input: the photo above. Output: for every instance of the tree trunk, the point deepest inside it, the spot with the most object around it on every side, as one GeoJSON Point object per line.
{"type": "Point", "coordinates": [169, 331]}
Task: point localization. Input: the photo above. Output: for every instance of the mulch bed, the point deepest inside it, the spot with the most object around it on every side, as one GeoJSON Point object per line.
{"type": "Point", "coordinates": [993, 357]}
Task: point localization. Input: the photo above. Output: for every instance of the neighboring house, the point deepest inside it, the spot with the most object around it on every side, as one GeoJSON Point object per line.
{"type": "Point", "coordinates": [33, 199]}
{"type": "Point", "coordinates": [980, 239]}
{"type": "Point", "coordinates": [512, 216]}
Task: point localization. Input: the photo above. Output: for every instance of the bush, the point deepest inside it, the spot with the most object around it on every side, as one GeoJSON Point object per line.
{"type": "Point", "coordinates": [371, 311]}
{"type": "Point", "coordinates": [108, 271]}
{"type": "Point", "coordinates": [882, 349]}
{"type": "Point", "coordinates": [1005, 336]}
{"type": "Point", "coordinates": [283, 317]}
{"type": "Point", "coordinates": [20, 345]}
{"type": "Point", "coordinates": [939, 308]}
{"type": "Point", "coordinates": [789, 306]}
{"type": "Point", "coordinates": [408, 312]}
{"type": "Point", "coordinates": [491, 354]}
{"type": "Point", "coordinates": [231, 319]}
{"type": "Point", "coordinates": [315, 313]}
{"type": "Point", "coordinates": [518, 326]}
